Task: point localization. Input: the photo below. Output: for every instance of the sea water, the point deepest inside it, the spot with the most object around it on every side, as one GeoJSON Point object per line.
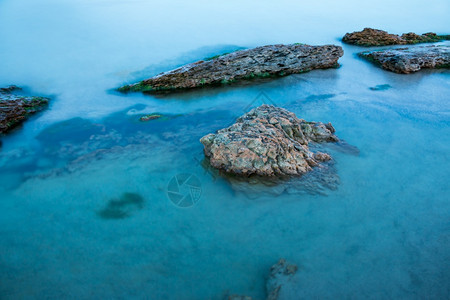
{"type": "Point", "coordinates": [86, 209]}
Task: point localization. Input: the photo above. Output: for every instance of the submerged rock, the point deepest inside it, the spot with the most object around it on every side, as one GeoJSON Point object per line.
{"type": "Point", "coordinates": [123, 207]}
{"type": "Point", "coordinates": [267, 141]}
{"type": "Point", "coordinates": [380, 87]}
{"type": "Point", "coordinates": [239, 297]}
{"type": "Point", "coordinates": [265, 61]}
{"type": "Point", "coordinates": [279, 284]}
{"type": "Point", "coordinates": [280, 278]}
{"type": "Point", "coordinates": [15, 108]}
{"type": "Point", "coordinates": [375, 37]}
{"type": "Point", "coordinates": [150, 117]}
{"type": "Point", "coordinates": [410, 59]}
{"type": "Point", "coordinates": [157, 116]}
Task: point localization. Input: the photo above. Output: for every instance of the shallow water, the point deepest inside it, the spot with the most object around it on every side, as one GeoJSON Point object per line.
{"type": "Point", "coordinates": [84, 206]}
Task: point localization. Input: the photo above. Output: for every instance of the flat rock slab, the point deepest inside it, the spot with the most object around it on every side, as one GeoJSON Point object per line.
{"type": "Point", "coordinates": [16, 108]}
{"type": "Point", "coordinates": [411, 59]}
{"type": "Point", "coordinates": [375, 37]}
{"type": "Point", "coordinates": [268, 141]}
{"type": "Point", "coordinates": [260, 62]}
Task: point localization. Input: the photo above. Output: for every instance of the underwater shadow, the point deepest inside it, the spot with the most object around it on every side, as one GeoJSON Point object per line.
{"type": "Point", "coordinates": [123, 207]}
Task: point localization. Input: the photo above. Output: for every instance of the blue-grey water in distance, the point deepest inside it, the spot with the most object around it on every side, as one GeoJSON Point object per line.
{"type": "Point", "coordinates": [69, 230]}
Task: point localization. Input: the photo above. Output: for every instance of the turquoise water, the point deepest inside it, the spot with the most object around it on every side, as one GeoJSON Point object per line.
{"type": "Point", "coordinates": [84, 210]}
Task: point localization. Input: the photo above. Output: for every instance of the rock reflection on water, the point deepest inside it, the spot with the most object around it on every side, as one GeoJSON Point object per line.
{"type": "Point", "coordinates": [322, 179]}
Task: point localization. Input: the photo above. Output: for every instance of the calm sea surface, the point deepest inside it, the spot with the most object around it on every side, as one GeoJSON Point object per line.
{"type": "Point", "coordinates": [84, 205]}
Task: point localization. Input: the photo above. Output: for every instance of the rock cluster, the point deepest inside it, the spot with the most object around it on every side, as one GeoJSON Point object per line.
{"type": "Point", "coordinates": [265, 61]}
{"type": "Point", "coordinates": [376, 37]}
{"type": "Point", "coordinates": [15, 108]}
{"type": "Point", "coordinates": [268, 141]}
{"type": "Point", "coordinates": [411, 59]}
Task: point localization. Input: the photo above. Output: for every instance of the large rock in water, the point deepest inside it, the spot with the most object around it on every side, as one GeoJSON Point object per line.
{"type": "Point", "coordinates": [267, 141]}
{"type": "Point", "coordinates": [411, 59]}
{"type": "Point", "coordinates": [375, 37]}
{"type": "Point", "coordinates": [265, 61]}
{"type": "Point", "coordinates": [15, 108]}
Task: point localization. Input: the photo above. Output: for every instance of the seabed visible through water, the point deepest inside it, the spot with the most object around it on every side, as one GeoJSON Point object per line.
{"type": "Point", "coordinates": [88, 202]}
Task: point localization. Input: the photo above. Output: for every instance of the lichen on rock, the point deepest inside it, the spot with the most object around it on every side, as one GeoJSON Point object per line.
{"type": "Point", "coordinates": [268, 141]}
{"type": "Point", "coordinates": [260, 62]}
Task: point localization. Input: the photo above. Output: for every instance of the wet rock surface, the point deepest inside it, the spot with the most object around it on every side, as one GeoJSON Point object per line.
{"type": "Point", "coordinates": [260, 62]}
{"type": "Point", "coordinates": [410, 59]}
{"type": "Point", "coordinates": [375, 37]}
{"type": "Point", "coordinates": [16, 108]}
{"type": "Point", "coordinates": [268, 141]}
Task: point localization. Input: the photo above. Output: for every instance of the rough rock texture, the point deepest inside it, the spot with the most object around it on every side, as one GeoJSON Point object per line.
{"type": "Point", "coordinates": [267, 141]}
{"type": "Point", "coordinates": [265, 61]}
{"type": "Point", "coordinates": [376, 37]}
{"type": "Point", "coordinates": [411, 59]}
{"type": "Point", "coordinates": [280, 275]}
{"type": "Point", "coordinates": [15, 108]}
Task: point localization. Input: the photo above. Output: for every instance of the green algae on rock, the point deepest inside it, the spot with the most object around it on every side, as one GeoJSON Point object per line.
{"type": "Point", "coordinates": [16, 108]}
{"type": "Point", "coordinates": [375, 37]}
{"type": "Point", "coordinates": [260, 62]}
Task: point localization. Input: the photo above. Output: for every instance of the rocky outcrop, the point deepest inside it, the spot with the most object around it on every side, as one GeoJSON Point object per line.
{"type": "Point", "coordinates": [15, 108]}
{"type": "Point", "coordinates": [265, 61]}
{"type": "Point", "coordinates": [375, 37]}
{"type": "Point", "coordinates": [280, 276]}
{"type": "Point", "coordinates": [411, 59]}
{"type": "Point", "coordinates": [268, 141]}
